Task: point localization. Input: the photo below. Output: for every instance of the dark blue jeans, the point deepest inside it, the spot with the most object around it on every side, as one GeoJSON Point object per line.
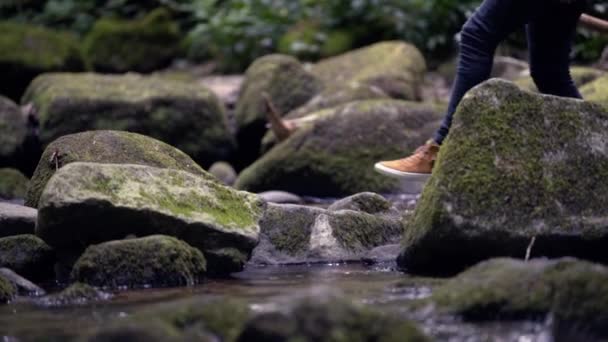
{"type": "Point", "coordinates": [551, 27]}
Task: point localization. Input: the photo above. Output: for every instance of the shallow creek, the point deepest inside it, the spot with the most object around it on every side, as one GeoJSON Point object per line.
{"type": "Point", "coordinates": [265, 288]}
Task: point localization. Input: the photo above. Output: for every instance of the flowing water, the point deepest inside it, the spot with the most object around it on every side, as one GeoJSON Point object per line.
{"type": "Point", "coordinates": [264, 288]}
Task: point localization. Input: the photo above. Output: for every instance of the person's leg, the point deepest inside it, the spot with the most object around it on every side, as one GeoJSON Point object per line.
{"type": "Point", "coordinates": [550, 43]}
{"type": "Point", "coordinates": [491, 23]}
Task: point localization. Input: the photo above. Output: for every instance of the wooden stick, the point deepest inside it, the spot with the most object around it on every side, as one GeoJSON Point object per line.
{"type": "Point", "coordinates": [594, 23]}
{"type": "Point", "coordinates": [277, 124]}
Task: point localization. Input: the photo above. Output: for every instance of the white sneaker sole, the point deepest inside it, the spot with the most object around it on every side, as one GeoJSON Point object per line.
{"type": "Point", "coordinates": [418, 177]}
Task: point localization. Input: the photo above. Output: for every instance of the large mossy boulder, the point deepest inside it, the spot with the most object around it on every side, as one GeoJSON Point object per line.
{"type": "Point", "coordinates": [13, 132]}
{"type": "Point", "coordinates": [183, 114]}
{"type": "Point", "coordinates": [330, 317]}
{"type": "Point", "coordinates": [28, 51]}
{"type": "Point", "coordinates": [13, 184]}
{"type": "Point", "coordinates": [142, 45]}
{"type": "Point", "coordinates": [285, 81]}
{"type": "Point", "coordinates": [397, 68]}
{"type": "Point", "coordinates": [16, 219]}
{"type": "Point", "coordinates": [87, 203]}
{"type": "Point", "coordinates": [27, 255]}
{"type": "Point", "coordinates": [597, 91]}
{"type": "Point", "coordinates": [575, 292]}
{"type": "Point", "coordinates": [334, 154]}
{"type": "Point", "coordinates": [294, 234]}
{"type": "Point", "coordinates": [149, 261]}
{"type": "Point", "coordinates": [516, 166]}
{"type": "Point", "coordinates": [106, 147]}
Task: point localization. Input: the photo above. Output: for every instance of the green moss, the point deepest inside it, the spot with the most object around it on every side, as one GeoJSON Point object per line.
{"type": "Point", "coordinates": [288, 227]}
{"type": "Point", "coordinates": [107, 147]}
{"type": "Point", "coordinates": [75, 294]}
{"type": "Point", "coordinates": [580, 75]}
{"type": "Point", "coordinates": [597, 91]}
{"type": "Point", "coordinates": [141, 45]}
{"type": "Point", "coordinates": [7, 290]}
{"type": "Point", "coordinates": [151, 261]}
{"type": "Point", "coordinates": [358, 231]}
{"type": "Point", "coordinates": [367, 202]}
{"type": "Point", "coordinates": [13, 184]}
{"type": "Point", "coordinates": [27, 255]}
{"type": "Point", "coordinates": [337, 42]}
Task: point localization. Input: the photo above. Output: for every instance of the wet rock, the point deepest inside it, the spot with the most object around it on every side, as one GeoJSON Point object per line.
{"type": "Point", "coordinates": [294, 234]}
{"type": "Point", "coordinates": [16, 220]}
{"type": "Point", "coordinates": [575, 292]}
{"type": "Point", "coordinates": [111, 147]}
{"type": "Point", "coordinates": [224, 172]}
{"type": "Point", "coordinates": [182, 114]}
{"type": "Point", "coordinates": [597, 91]}
{"type": "Point", "coordinates": [7, 290]}
{"type": "Point", "coordinates": [13, 184]}
{"type": "Point", "coordinates": [13, 132]}
{"type": "Point", "coordinates": [32, 50]}
{"type": "Point", "coordinates": [75, 294]}
{"type": "Point", "coordinates": [143, 45]}
{"type": "Point", "coordinates": [27, 255]}
{"type": "Point", "coordinates": [580, 75]}
{"type": "Point", "coordinates": [397, 68]}
{"type": "Point", "coordinates": [504, 176]}
{"type": "Point", "coordinates": [329, 318]}
{"type": "Point", "coordinates": [87, 203]}
{"type": "Point", "coordinates": [334, 155]}
{"type": "Point", "coordinates": [367, 202]}
{"type": "Point", "coordinates": [382, 254]}
{"type": "Point", "coordinates": [149, 261]}
{"type": "Point", "coordinates": [281, 197]}
{"type": "Point", "coordinates": [287, 84]}
{"type": "Point", "coordinates": [23, 286]}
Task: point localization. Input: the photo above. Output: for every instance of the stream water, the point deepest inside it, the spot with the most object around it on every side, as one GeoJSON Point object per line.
{"type": "Point", "coordinates": [379, 286]}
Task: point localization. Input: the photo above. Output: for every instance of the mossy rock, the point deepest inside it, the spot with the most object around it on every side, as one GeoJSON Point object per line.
{"type": "Point", "coordinates": [16, 219]}
{"type": "Point", "coordinates": [142, 45]}
{"type": "Point", "coordinates": [334, 155]}
{"type": "Point", "coordinates": [13, 184]}
{"type": "Point", "coordinates": [75, 294]}
{"type": "Point", "coordinates": [182, 114]}
{"type": "Point", "coordinates": [7, 290]}
{"type": "Point", "coordinates": [574, 291]}
{"type": "Point", "coordinates": [287, 84]}
{"type": "Point", "coordinates": [397, 68]}
{"type": "Point", "coordinates": [28, 256]}
{"type": "Point", "coordinates": [155, 261]}
{"type": "Point", "coordinates": [29, 50]}
{"type": "Point", "coordinates": [107, 147]}
{"type": "Point", "coordinates": [580, 75]}
{"type": "Point", "coordinates": [516, 166]}
{"type": "Point", "coordinates": [86, 203]}
{"type": "Point", "coordinates": [330, 318]}
{"type": "Point", "coordinates": [294, 234]}
{"type": "Point", "coordinates": [597, 91]}
{"type": "Point", "coordinates": [13, 132]}
{"type": "Point", "coordinates": [367, 202]}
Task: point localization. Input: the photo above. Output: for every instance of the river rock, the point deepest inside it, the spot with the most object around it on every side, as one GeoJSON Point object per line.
{"type": "Point", "coordinates": [334, 155]}
{"type": "Point", "coordinates": [224, 172]}
{"type": "Point", "coordinates": [575, 292]}
{"type": "Point", "coordinates": [13, 132]}
{"type": "Point", "coordinates": [86, 203]}
{"type": "Point", "coordinates": [155, 261]}
{"type": "Point", "coordinates": [293, 234]}
{"type": "Point", "coordinates": [280, 197]}
{"type": "Point", "coordinates": [29, 50]}
{"type": "Point", "coordinates": [13, 184]}
{"type": "Point", "coordinates": [287, 84]}
{"type": "Point", "coordinates": [580, 76]}
{"type": "Point", "coordinates": [597, 91]}
{"type": "Point", "coordinates": [16, 219]}
{"type": "Point", "coordinates": [516, 166]}
{"type": "Point", "coordinates": [141, 45]}
{"type": "Point", "coordinates": [27, 255]}
{"type": "Point", "coordinates": [396, 68]}
{"type": "Point", "coordinates": [182, 114]}
{"type": "Point", "coordinates": [75, 294]}
{"type": "Point", "coordinates": [7, 290]}
{"type": "Point", "coordinates": [23, 286]}
{"type": "Point", "coordinates": [108, 147]}
{"type": "Point", "coordinates": [323, 317]}
{"type": "Point", "coordinates": [367, 202]}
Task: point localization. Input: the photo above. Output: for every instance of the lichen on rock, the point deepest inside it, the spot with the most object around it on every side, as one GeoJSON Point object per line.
{"type": "Point", "coordinates": [111, 147]}
{"type": "Point", "coordinates": [515, 166]}
{"type": "Point", "coordinates": [183, 114]}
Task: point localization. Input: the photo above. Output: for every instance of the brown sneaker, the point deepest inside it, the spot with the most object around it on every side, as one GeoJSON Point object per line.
{"type": "Point", "coordinates": [417, 167]}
